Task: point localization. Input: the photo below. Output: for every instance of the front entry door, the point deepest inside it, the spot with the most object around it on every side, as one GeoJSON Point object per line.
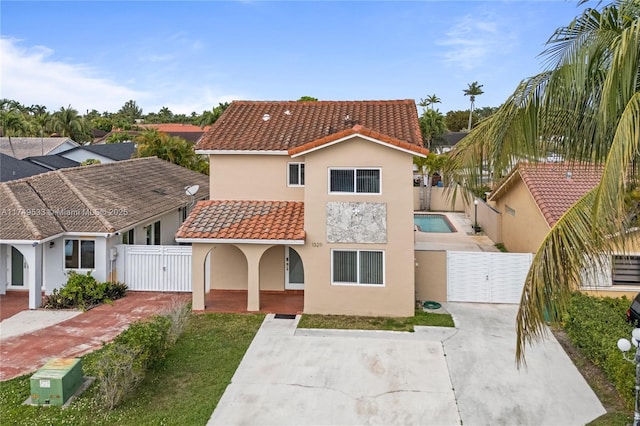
{"type": "Point", "coordinates": [17, 268]}
{"type": "Point", "coordinates": [294, 271]}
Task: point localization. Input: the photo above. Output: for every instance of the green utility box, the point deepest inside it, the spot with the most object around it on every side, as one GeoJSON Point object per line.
{"type": "Point", "coordinates": [56, 381]}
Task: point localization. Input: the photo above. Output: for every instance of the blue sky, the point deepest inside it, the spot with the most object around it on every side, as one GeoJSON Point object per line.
{"type": "Point", "coordinates": [189, 56]}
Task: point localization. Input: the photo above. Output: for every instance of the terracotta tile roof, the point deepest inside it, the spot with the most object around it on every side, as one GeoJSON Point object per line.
{"type": "Point", "coordinates": [358, 130]}
{"type": "Point", "coordinates": [245, 220]}
{"type": "Point", "coordinates": [555, 187]}
{"type": "Point", "coordinates": [101, 198]}
{"type": "Point", "coordinates": [281, 126]}
{"type": "Point", "coordinates": [175, 127]}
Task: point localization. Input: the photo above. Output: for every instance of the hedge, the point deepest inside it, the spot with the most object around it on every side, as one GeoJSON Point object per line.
{"type": "Point", "coordinates": [595, 324]}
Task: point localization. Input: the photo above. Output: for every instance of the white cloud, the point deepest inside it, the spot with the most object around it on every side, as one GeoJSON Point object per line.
{"type": "Point", "coordinates": [31, 76]}
{"type": "Point", "coordinates": [473, 39]}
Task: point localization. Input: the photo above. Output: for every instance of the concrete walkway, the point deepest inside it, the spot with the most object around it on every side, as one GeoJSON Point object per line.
{"type": "Point", "coordinates": [434, 376]}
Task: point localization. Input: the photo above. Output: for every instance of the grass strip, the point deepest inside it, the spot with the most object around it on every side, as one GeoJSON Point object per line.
{"type": "Point", "coordinates": [184, 389]}
{"type": "Point", "coordinates": [348, 322]}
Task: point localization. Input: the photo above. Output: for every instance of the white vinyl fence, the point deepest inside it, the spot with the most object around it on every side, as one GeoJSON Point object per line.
{"type": "Point", "coordinates": [154, 268]}
{"type": "Point", "coordinates": [486, 277]}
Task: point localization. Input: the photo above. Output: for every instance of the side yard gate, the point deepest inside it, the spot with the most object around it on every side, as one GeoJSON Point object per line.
{"type": "Point", "coordinates": [486, 276]}
{"type": "Point", "coordinates": [154, 268]}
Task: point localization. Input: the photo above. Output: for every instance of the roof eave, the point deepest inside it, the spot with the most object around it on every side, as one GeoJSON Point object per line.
{"type": "Point", "coordinates": [240, 152]}
{"type": "Point", "coordinates": [351, 136]}
{"type": "Point", "coordinates": [238, 241]}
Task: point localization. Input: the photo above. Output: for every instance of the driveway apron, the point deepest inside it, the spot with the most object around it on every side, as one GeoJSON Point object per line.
{"type": "Point", "coordinates": [491, 390]}
{"type": "Point", "coordinates": [338, 378]}
{"type": "Point", "coordinates": [434, 376]}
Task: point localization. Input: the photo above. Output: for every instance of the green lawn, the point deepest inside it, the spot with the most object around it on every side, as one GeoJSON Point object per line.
{"type": "Point", "coordinates": [183, 391]}
{"type": "Point", "coordinates": [376, 323]}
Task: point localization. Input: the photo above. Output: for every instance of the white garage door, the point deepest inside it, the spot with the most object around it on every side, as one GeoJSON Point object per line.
{"type": "Point", "coordinates": [486, 277]}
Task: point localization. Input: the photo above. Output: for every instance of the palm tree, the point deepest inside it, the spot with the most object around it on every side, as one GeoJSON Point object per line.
{"type": "Point", "coordinates": [427, 166]}
{"type": "Point", "coordinates": [13, 124]}
{"type": "Point", "coordinates": [67, 122]}
{"type": "Point", "coordinates": [585, 107]}
{"type": "Point", "coordinates": [176, 150]}
{"type": "Point", "coordinates": [472, 91]}
{"type": "Point", "coordinates": [432, 126]}
{"type": "Point", "coordinates": [432, 100]}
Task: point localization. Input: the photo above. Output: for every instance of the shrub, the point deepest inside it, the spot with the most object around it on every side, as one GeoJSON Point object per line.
{"type": "Point", "coordinates": [118, 373]}
{"type": "Point", "coordinates": [122, 365]}
{"type": "Point", "coordinates": [178, 313]}
{"type": "Point", "coordinates": [150, 337]}
{"type": "Point", "coordinates": [84, 292]}
{"type": "Point", "coordinates": [594, 325]}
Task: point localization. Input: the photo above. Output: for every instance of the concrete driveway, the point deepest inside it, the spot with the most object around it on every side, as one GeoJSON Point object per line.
{"type": "Point", "coordinates": [435, 376]}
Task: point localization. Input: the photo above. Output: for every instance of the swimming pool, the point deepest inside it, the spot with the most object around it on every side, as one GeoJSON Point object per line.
{"type": "Point", "coordinates": [433, 223]}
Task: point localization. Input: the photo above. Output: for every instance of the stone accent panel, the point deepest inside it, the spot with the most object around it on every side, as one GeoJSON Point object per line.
{"type": "Point", "coordinates": [351, 222]}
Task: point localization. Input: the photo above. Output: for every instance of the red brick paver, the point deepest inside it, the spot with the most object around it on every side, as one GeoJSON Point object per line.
{"type": "Point", "coordinates": [79, 335]}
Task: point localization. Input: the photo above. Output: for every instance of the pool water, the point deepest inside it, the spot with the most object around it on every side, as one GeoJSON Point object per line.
{"type": "Point", "coordinates": [433, 223]}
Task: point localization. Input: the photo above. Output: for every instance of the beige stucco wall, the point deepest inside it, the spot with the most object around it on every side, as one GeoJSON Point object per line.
{"type": "Point", "coordinates": [523, 228]}
{"type": "Point", "coordinates": [228, 268]}
{"type": "Point", "coordinates": [431, 275]}
{"type": "Point", "coordinates": [272, 269]}
{"type": "Point", "coordinates": [396, 297]}
{"type": "Point", "coordinates": [251, 177]}
{"type": "Point", "coordinates": [612, 292]}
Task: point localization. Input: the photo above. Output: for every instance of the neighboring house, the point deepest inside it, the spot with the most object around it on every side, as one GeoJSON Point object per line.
{"type": "Point", "coordinates": [533, 197]}
{"type": "Point", "coordinates": [449, 141]}
{"type": "Point", "coordinates": [189, 132]}
{"type": "Point", "coordinates": [11, 168]}
{"type": "Point", "coordinates": [105, 153]}
{"type": "Point", "coordinates": [20, 148]}
{"type": "Point", "coordinates": [312, 196]}
{"type": "Point", "coordinates": [72, 219]}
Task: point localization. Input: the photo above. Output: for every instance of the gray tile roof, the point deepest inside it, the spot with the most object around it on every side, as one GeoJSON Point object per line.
{"type": "Point", "coordinates": [21, 148]}
{"type": "Point", "coordinates": [11, 168]}
{"type": "Point", "coordinates": [101, 198]}
{"type": "Point", "coordinates": [115, 151]}
{"type": "Point", "coordinates": [52, 162]}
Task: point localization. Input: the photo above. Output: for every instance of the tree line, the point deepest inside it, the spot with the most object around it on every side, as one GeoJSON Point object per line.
{"type": "Point", "coordinates": [17, 119]}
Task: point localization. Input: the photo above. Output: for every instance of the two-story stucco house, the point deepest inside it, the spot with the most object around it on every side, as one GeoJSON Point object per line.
{"type": "Point", "coordinates": [311, 196]}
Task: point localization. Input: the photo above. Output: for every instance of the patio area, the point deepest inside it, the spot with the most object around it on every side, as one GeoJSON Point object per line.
{"type": "Point", "coordinates": [271, 302]}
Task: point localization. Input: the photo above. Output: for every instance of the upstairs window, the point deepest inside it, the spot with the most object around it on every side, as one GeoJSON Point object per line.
{"type": "Point", "coordinates": [295, 174]}
{"type": "Point", "coordinates": [354, 181]}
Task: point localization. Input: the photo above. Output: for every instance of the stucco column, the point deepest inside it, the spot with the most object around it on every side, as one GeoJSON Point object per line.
{"type": "Point", "coordinates": [198, 256]}
{"type": "Point", "coordinates": [253, 253]}
{"type": "Point", "coordinates": [33, 257]}
{"type": "Point", "coordinates": [4, 267]}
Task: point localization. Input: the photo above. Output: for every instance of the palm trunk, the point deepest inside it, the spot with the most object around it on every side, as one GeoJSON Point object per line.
{"type": "Point", "coordinates": [429, 186]}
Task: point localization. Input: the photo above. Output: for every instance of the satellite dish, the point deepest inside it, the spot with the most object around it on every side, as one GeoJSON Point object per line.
{"type": "Point", "coordinates": [191, 190]}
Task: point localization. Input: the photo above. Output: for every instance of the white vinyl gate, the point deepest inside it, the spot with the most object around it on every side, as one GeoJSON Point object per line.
{"type": "Point", "coordinates": [155, 268]}
{"type": "Point", "coordinates": [486, 277]}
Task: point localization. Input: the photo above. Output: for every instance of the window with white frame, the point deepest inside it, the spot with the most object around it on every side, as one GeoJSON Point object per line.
{"type": "Point", "coordinates": [354, 180]}
{"type": "Point", "coordinates": [79, 254]}
{"type": "Point", "coordinates": [295, 174]}
{"type": "Point", "coordinates": [153, 234]}
{"type": "Point", "coordinates": [364, 267]}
